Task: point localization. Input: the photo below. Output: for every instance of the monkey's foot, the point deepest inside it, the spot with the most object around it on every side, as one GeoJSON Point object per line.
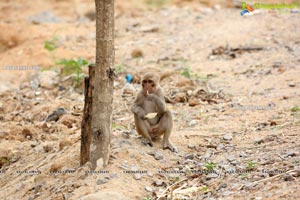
{"type": "Point", "coordinates": [147, 142]}
{"type": "Point", "coordinates": [170, 147]}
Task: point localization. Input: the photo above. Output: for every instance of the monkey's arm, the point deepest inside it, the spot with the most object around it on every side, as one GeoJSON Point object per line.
{"type": "Point", "coordinates": [137, 106]}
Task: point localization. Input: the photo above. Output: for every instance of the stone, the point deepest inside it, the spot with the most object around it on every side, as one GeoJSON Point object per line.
{"type": "Point", "coordinates": [193, 122]}
{"type": "Point", "coordinates": [149, 189]}
{"type": "Point", "coordinates": [227, 137]}
{"type": "Point", "coordinates": [158, 183]}
{"type": "Point", "coordinates": [158, 156]}
{"type": "Point", "coordinates": [48, 79]}
{"type": "Point", "coordinates": [137, 176]}
{"type": "Point", "coordinates": [105, 195]}
{"type": "Point", "coordinates": [102, 181]}
{"type": "Point", "coordinates": [44, 17]}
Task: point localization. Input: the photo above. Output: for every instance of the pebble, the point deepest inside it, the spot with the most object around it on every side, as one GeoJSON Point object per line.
{"type": "Point", "coordinates": [193, 122]}
{"type": "Point", "coordinates": [231, 158]}
{"type": "Point", "coordinates": [158, 183]}
{"type": "Point", "coordinates": [191, 146]}
{"type": "Point", "coordinates": [137, 176]}
{"type": "Point", "coordinates": [48, 79]}
{"type": "Point", "coordinates": [189, 156]}
{"type": "Point", "coordinates": [211, 176]}
{"type": "Point", "coordinates": [293, 153]}
{"type": "Point", "coordinates": [101, 181]}
{"type": "Point", "coordinates": [158, 156]}
{"type": "Point", "coordinates": [243, 154]}
{"type": "Point", "coordinates": [56, 115]}
{"type": "Point", "coordinates": [288, 177]}
{"type": "Point", "coordinates": [150, 174]}
{"type": "Point", "coordinates": [227, 137]}
{"type": "Point", "coordinates": [220, 146]}
{"type": "Point", "coordinates": [44, 17]}
{"type": "Point", "coordinates": [292, 84]}
{"type": "Point", "coordinates": [149, 189]}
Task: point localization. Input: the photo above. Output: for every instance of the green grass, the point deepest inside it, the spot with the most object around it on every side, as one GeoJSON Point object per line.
{"type": "Point", "coordinates": [210, 166]}
{"type": "Point", "coordinates": [74, 68]}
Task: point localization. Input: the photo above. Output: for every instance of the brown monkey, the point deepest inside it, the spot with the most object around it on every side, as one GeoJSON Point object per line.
{"type": "Point", "coordinates": [151, 100]}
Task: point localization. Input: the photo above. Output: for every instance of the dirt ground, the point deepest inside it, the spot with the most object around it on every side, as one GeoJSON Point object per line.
{"type": "Point", "coordinates": [234, 81]}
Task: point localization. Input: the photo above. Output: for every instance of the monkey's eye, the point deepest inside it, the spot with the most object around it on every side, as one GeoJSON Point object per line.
{"type": "Point", "coordinates": [147, 81]}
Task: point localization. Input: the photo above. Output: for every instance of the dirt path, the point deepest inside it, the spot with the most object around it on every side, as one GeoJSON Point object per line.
{"type": "Point", "coordinates": [253, 132]}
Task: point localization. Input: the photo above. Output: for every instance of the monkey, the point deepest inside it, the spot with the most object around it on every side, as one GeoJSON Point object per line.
{"type": "Point", "coordinates": [150, 99]}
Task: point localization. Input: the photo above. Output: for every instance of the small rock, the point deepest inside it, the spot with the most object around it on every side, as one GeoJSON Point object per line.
{"type": "Point", "coordinates": [293, 153]}
{"type": "Point", "coordinates": [259, 141]}
{"type": "Point", "coordinates": [292, 84]}
{"type": "Point", "coordinates": [193, 101]}
{"type": "Point", "coordinates": [37, 93]}
{"type": "Point", "coordinates": [27, 133]}
{"type": "Point", "coordinates": [55, 167]}
{"type": "Point", "coordinates": [296, 173]}
{"type": "Point", "coordinates": [149, 189]}
{"type": "Point", "coordinates": [44, 17]}
{"type": "Point", "coordinates": [288, 177]}
{"type": "Point", "coordinates": [220, 146]}
{"type": "Point", "coordinates": [150, 29]}
{"type": "Point", "coordinates": [34, 144]}
{"type": "Point", "coordinates": [101, 181]}
{"type": "Point", "coordinates": [34, 83]}
{"type": "Point", "coordinates": [137, 176]}
{"type": "Point", "coordinates": [231, 158]}
{"type": "Point", "coordinates": [191, 146]}
{"type": "Point", "coordinates": [105, 195]}
{"type": "Point", "coordinates": [158, 156]}
{"type": "Point", "coordinates": [48, 79]}
{"type": "Point", "coordinates": [180, 97]}
{"type": "Point", "coordinates": [211, 176]}
{"type": "Point", "coordinates": [222, 185]}
{"type": "Point", "coordinates": [150, 174]}
{"type": "Point", "coordinates": [64, 143]}
{"type": "Point", "coordinates": [243, 154]}
{"type": "Point", "coordinates": [158, 183]}
{"type": "Point", "coordinates": [189, 156]}
{"type": "Point", "coordinates": [48, 147]}
{"type": "Point", "coordinates": [193, 122]}
{"type": "Point", "coordinates": [14, 158]}
{"type": "Point", "coordinates": [227, 137]}
{"type": "Point", "coordinates": [56, 115]}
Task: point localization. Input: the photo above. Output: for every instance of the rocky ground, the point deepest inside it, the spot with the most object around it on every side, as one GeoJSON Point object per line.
{"type": "Point", "coordinates": [233, 81]}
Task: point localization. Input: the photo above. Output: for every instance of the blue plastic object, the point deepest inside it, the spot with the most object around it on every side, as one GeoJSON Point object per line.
{"type": "Point", "coordinates": [243, 12]}
{"type": "Point", "coordinates": [128, 78]}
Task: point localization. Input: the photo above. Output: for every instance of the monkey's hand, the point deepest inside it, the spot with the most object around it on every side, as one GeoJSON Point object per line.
{"type": "Point", "coordinates": [151, 97]}
{"type": "Point", "coordinates": [141, 114]}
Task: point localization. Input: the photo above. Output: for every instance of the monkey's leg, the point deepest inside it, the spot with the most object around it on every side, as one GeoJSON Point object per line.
{"type": "Point", "coordinates": [143, 127]}
{"type": "Point", "coordinates": [165, 127]}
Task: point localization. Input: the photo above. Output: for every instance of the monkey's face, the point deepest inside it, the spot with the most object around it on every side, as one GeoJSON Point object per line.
{"type": "Point", "coordinates": [149, 86]}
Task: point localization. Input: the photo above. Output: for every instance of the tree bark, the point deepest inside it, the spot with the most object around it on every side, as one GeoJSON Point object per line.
{"type": "Point", "coordinates": [87, 116]}
{"type": "Point", "coordinates": [103, 85]}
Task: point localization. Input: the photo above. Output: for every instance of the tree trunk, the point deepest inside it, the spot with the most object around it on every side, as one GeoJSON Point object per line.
{"type": "Point", "coordinates": [103, 85]}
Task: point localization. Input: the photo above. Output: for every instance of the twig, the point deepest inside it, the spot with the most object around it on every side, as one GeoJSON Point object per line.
{"type": "Point", "coordinates": [161, 195]}
{"type": "Point", "coordinates": [269, 178]}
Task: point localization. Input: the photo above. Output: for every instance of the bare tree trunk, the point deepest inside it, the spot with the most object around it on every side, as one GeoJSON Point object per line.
{"type": "Point", "coordinates": [103, 85]}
